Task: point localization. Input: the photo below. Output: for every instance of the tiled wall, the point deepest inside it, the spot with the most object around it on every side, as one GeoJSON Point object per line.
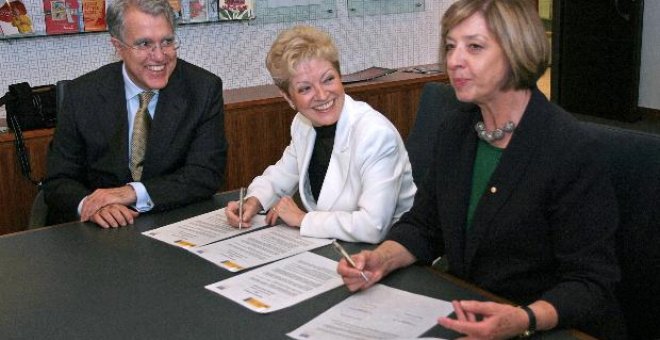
{"type": "Point", "coordinates": [236, 50]}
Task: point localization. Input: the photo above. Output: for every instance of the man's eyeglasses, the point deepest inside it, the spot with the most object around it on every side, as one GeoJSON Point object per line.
{"type": "Point", "coordinates": [167, 45]}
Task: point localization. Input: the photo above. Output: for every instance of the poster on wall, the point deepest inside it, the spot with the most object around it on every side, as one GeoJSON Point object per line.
{"type": "Point", "coordinates": [176, 7]}
{"type": "Point", "coordinates": [235, 9]}
{"type": "Point", "coordinates": [62, 16]}
{"type": "Point", "coordinates": [14, 18]}
{"type": "Point", "coordinates": [194, 10]}
{"type": "Point", "coordinates": [94, 15]}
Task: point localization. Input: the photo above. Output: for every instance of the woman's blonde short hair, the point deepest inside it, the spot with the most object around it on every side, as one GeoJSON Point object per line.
{"type": "Point", "coordinates": [295, 45]}
{"type": "Point", "coordinates": [518, 29]}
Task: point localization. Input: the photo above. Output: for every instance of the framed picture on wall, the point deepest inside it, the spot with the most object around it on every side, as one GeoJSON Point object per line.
{"type": "Point", "coordinates": [235, 9]}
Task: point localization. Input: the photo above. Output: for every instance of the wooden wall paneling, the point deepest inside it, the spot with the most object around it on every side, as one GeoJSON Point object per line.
{"type": "Point", "coordinates": [257, 137]}
{"type": "Point", "coordinates": [16, 191]}
{"type": "Point", "coordinates": [399, 105]}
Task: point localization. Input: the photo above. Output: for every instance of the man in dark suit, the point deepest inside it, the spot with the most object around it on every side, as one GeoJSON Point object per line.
{"type": "Point", "coordinates": [142, 134]}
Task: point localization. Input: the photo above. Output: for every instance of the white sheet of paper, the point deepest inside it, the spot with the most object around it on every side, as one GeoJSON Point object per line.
{"type": "Point", "coordinates": [262, 246]}
{"type": "Point", "coordinates": [380, 312]}
{"type": "Point", "coordinates": [281, 284]}
{"type": "Point", "coordinates": [201, 230]}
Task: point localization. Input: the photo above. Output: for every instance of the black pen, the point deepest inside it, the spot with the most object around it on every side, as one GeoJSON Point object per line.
{"type": "Point", "coordinates": [343, 253]}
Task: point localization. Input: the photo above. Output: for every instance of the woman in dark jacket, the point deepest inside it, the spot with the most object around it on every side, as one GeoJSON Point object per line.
{"type": "Point", "coordinates": [517, 200]}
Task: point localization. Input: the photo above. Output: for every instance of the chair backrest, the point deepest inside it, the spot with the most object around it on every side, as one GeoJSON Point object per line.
{"type": "Point", "coordinates": [433, 105]}
{"type": "Point", "coordinates": [59, 94]}
{"type": "Point", "coordinates": [635, 162]}
{"type": "Point", "coordinates": [39, 211]}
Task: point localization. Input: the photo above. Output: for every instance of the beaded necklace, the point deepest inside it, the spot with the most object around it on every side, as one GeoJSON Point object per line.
{"type": "Point", "coordinates": [495, 135]}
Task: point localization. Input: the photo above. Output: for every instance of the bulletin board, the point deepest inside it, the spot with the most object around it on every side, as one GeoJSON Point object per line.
{"type": "Point", "coordinates": [358, 8]}
{"type": "Point", "coordinates": [274, 11]}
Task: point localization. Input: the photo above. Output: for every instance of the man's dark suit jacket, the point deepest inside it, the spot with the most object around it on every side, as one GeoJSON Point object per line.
{"type": "Point", "coordinates": [544, 228]}
{"type": "Point", "coordinates": [186, 151]}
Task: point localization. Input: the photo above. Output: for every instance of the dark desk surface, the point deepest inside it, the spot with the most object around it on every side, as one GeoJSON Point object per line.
{"type": "Point", "coordinates": [76, 281]}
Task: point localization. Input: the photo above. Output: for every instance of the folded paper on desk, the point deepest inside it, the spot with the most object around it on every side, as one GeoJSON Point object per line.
{"type": "Point", "coordinates": [281, 284]}
{"type": "Point", "coordinates": [259, 247]}
{"type": "Point", "coordinates": [201, 230]}
{"type": "Point", "coordinates": [366, 74]}
{"type": "Point", "coordinates": [381, 312]}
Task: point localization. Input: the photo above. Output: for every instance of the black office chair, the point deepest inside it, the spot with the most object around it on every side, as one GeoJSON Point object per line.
{"type": "Point", "coordinates": [39, 210]}
{"type": "Point", "coordinates": [635, 162]}
{"type": "Point", "coordinates": [434, 104]}
{"type": "Point", "coordinates": [436, 101]}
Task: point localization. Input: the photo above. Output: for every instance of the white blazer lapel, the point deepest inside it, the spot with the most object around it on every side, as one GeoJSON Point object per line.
{"type": "Point", "coordinates": [307, 136]}
{"type": "Point", "coordinates": [339, 167]}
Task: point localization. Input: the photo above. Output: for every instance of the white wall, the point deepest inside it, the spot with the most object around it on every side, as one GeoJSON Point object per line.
{"type": "Point", "coordinates": [649, 76]}
{"type": "Point", "coordinates": [236, 50]}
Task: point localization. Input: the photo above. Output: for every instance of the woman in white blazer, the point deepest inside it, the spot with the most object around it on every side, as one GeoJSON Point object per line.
{"type": "Point", "coordinates": [347, 161]}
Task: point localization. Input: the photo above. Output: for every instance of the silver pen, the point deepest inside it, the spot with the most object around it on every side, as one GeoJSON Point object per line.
{"type": "Point", "coordinates": [343, 253]}
{"type": "Point", "coordinates": [241, 198]}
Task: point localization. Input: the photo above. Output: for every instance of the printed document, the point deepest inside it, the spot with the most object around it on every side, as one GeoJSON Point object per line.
{"type": "Point", "coordinates": [281, 284]}
{"type": "Point", "coordinates": [201, 230]}
{"type": "Point", "coordinates": [262, 246]}
{"type": "Point", "coordinates": [380, 312]}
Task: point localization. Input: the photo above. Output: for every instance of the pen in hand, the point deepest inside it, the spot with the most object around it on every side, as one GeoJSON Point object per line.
{"type": "Point", "coordinates": [345, 255]}
{"type": "Point", "coordinates": [241, 198]}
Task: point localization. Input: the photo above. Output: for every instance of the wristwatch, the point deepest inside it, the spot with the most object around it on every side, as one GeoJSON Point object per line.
{"type": "Point", "coordinates": [531, 329]}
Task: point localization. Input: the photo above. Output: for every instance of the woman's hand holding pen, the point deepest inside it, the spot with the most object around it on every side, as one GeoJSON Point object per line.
{"type": "Point", "coordinates": [368, 262]}
{"type": "Point", "coordinates": [376, 264]}
{"type": "Point", "coordinates": [251, 206]}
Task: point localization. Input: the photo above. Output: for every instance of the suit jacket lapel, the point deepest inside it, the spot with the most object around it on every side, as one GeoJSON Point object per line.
{"type": "Point", "coordinates": [307, 137]}
{"type": "Point", "coordinates": [504, 181]}
{"type": "Point", "coordinates": [456, 169]}
{"type": "Point", "coordinates": [170, 110]}
{"type": "Point", "coordinates": [112, 116]}
{"type": "Point", "coordinates": [340, 161]}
